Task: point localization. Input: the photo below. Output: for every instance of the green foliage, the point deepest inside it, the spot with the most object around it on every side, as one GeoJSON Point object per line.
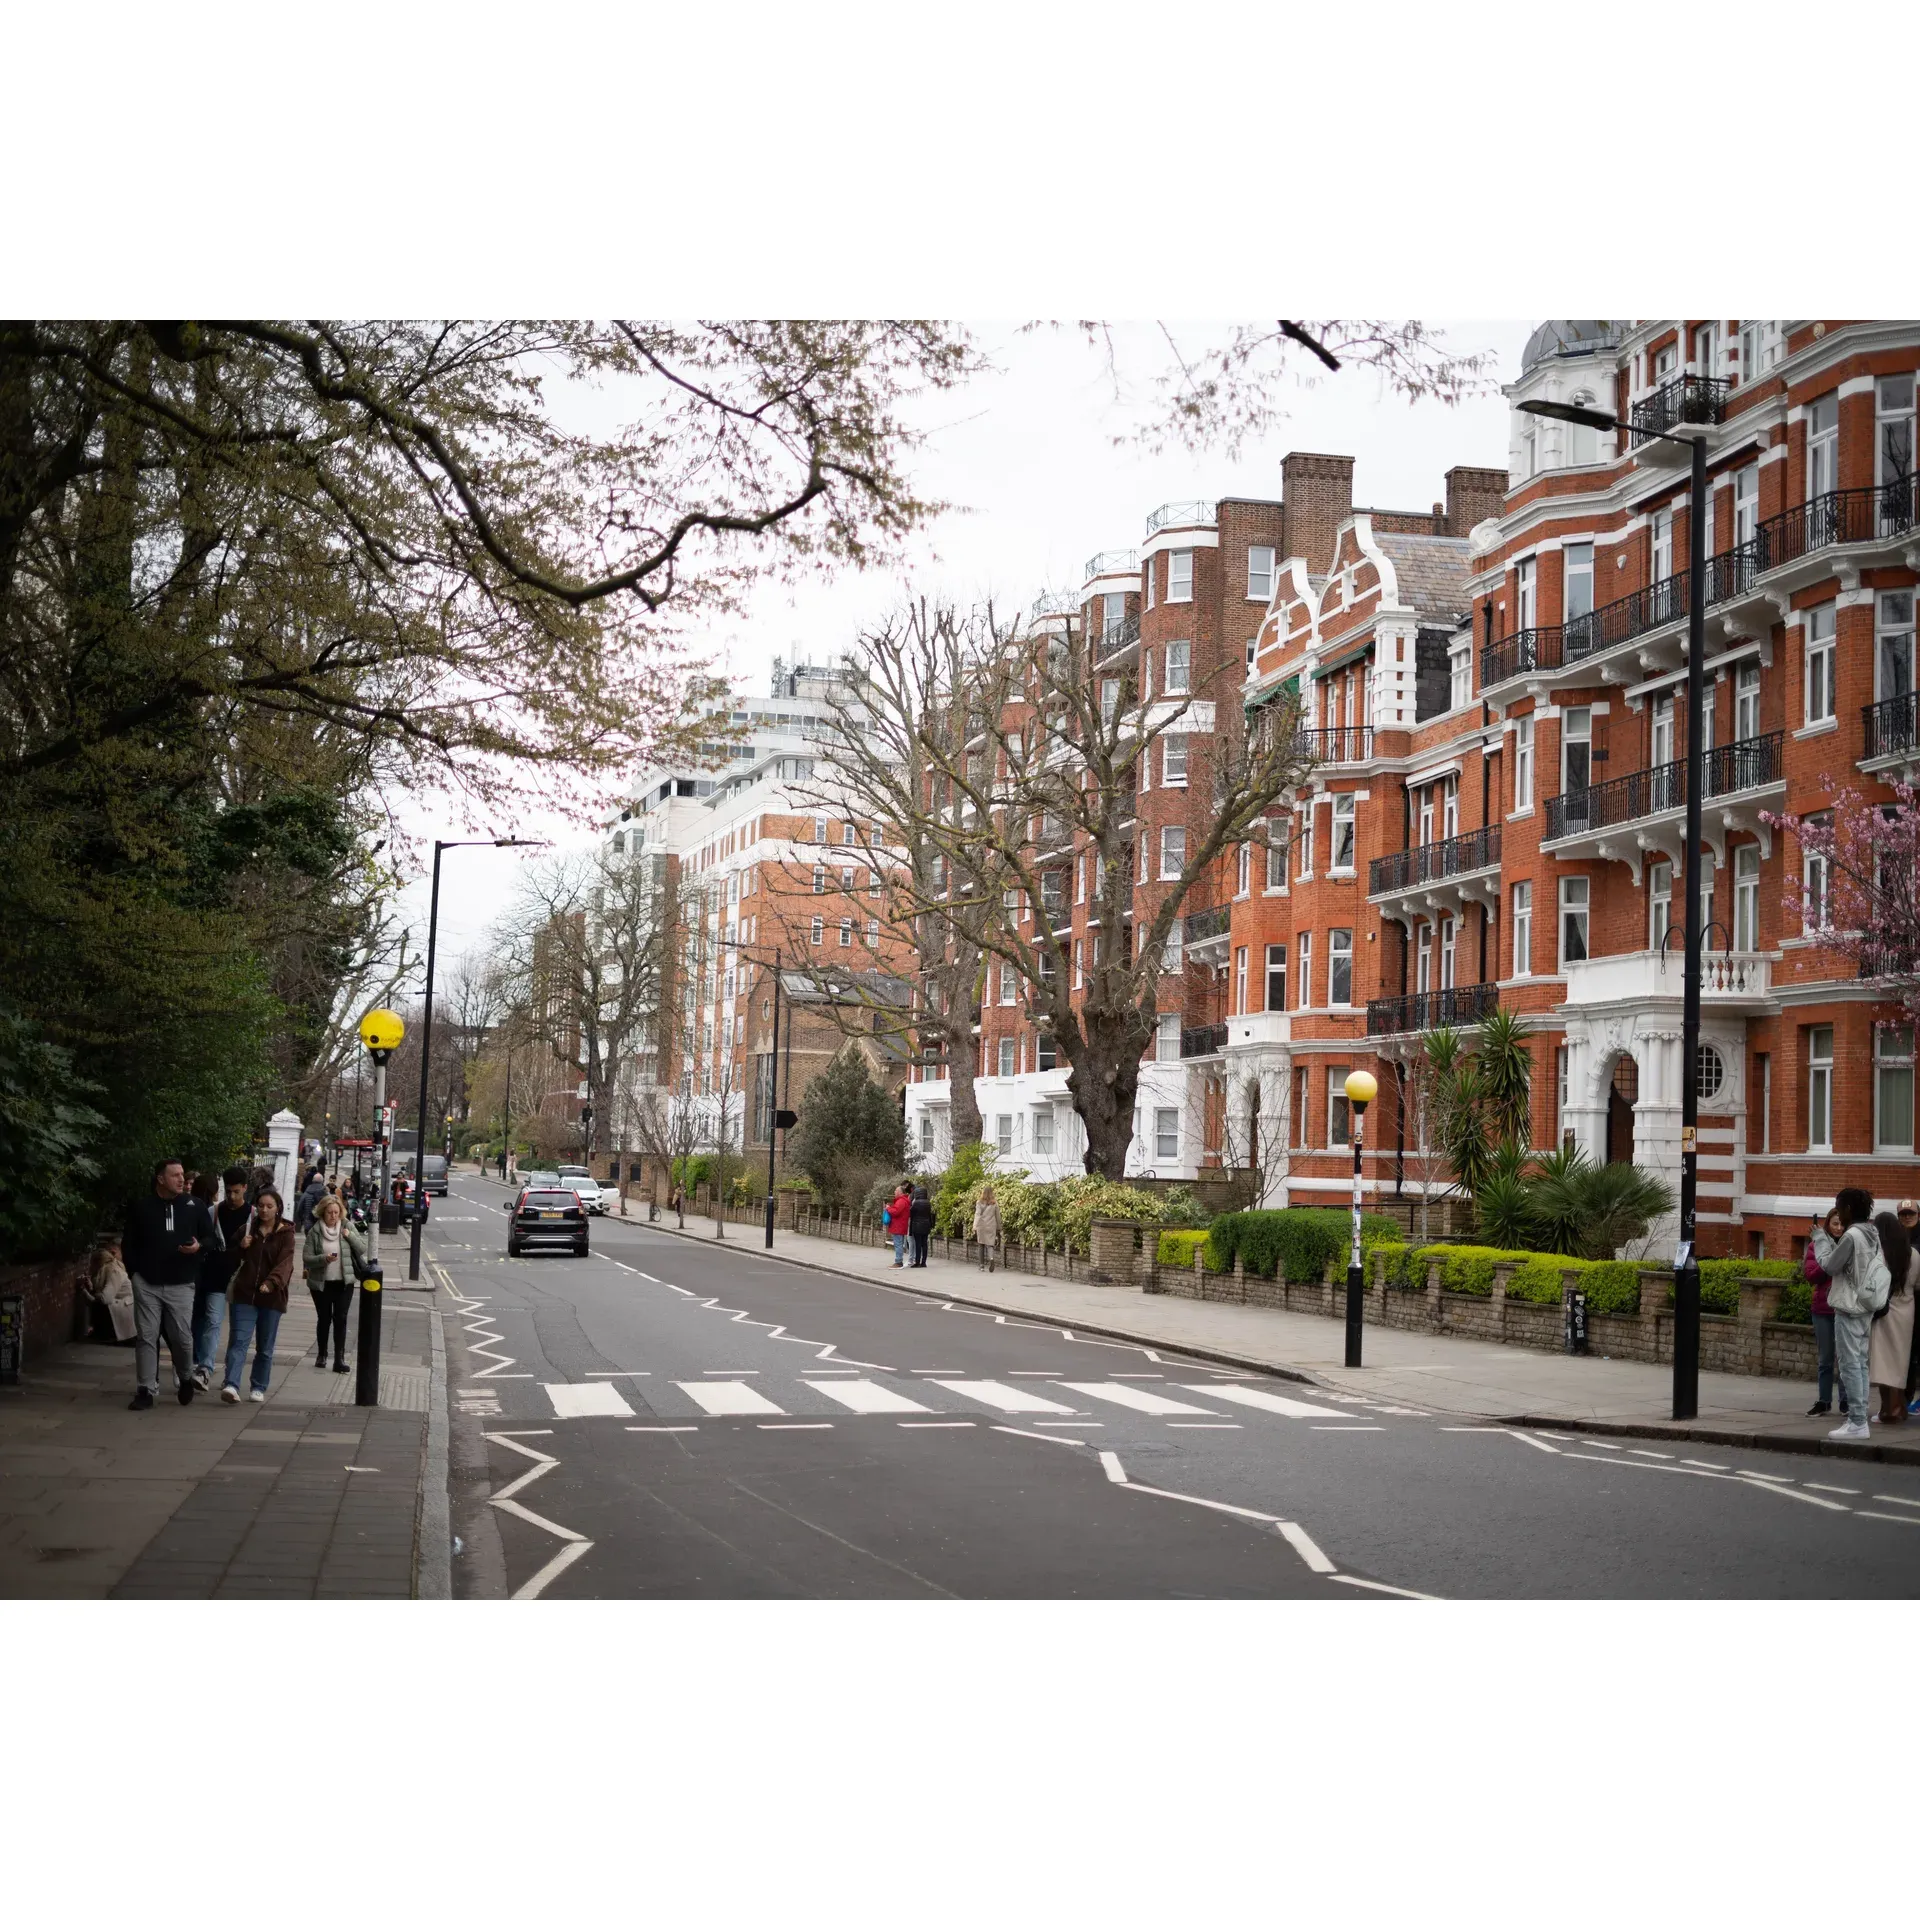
{"type": "Point", "coordinates": [691, 1171]}
{"type": "Point", "coordinates": [1176, 1247]}
{"type": "Point", "coordinates": [1795, 1305]}
{"type": "Point", "coordinates": [49, 1127]}
{"type": "Point", "coordinates": [1504, 1205]}
{"type": "Point", "coordinates": [1296, 1242]}
{"type": "Point", "coordinates": [1720, 1283]}
{"type": "Point", "coordinates": [879, 1196]}
{"type": "Point", "coordinates": [1611, 1286]}
{"type": "Point", "coordinates": [959, 1187]}
{"type": "Point", "coordinates": [1562, 1203]}
{"type": "Point", "coordinates": [850, 1130]}
{"type": "Point", "coordinates": [1481, 1099]}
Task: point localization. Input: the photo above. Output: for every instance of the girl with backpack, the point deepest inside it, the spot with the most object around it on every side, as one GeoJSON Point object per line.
{"type": "Point", "coordinates": [1892, 1338]}
{"type": "Point", "coordinates": [1859, 1281]}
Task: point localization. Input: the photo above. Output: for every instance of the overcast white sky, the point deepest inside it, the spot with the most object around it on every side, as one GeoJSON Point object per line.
{"type": "Point", "coordinates": [1027, 458]}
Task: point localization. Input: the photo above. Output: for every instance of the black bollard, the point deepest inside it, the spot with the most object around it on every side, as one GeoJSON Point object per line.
{"type": "Point", "coordinates": [366, 1386]}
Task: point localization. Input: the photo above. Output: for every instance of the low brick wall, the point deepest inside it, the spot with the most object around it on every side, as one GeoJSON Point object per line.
{"type": "Point", "coordinates": [51, 1289]}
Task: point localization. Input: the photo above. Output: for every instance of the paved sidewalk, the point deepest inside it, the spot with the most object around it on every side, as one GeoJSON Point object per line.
{"type": "Point", "coordinates": [1473, 1379]}
{"type": "Point", "coordinates": [305, 1496]}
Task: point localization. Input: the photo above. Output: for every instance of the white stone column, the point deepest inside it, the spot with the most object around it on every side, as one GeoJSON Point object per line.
{"type": "Point", "coordinates": [283, 1149]}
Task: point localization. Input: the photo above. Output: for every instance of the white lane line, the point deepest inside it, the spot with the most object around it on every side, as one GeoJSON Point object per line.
{"type": "Point", "coordinates": [539, 1520]}
{"type": "Point", "coordinates": [1820, 1486]}
{"type": "Point", "coordinates": [1139, 1376]}
{"type": "Point", "coordinates": [832, 1373]}
{"type": "Point", "coordinates": [1067, 1423]}
{"type": "Point", "coordinates": [936, 1423]}
{"type": "Point", "coordinates": [598, 1399]}
{"type": "Point", "coordinates": [1138, 1398]}
{"type": "Point", "coordinates": [1205, 1426]}
{"type": "Point", "coordinates": [1793, 1493]}
{"type": "Point", "coordinates": [1895, 1500]}
{"type": "Point", "coordinates": [558, 1565]}
{"type": "Point", "coordinates": [1058, 1439]}
{"type": "Point", "coordinates": [1712, 1466]}
{"type": "Point", "coordinates": [1111, 1467]}
{"type": "Point", "coordinates": [1033, 1373]}
{"type": "Point", "coordinates": [1531, 1441]}
{"type": "Point", "coordinates": [1379, 1586]}
{"type": "Point", "coordinates": [1606, 1445]}
{"type": "Point", "coordinates": [576, 1543]}
{"type": "Point", "coordinates": [1005, 1399]}
{"type": "Point", "coordinates": [520, 1433]}
{"type": "Point", "coordinates": [1476, 1429]}
{"type": "Point", "coordinates": [663, 1429]}
{"type": "Point", "coordinates": [731, 1370]}
{"type": "Point", "coordinates": [1905, 1519]}
{"type": "Point", "coordinates": [794, 1426]}
{"type": "Point", "coordinates": [1640, 1466]}
{"type": "Point", "coordinates": [1298, 1538]}
{"type": "Point", "coordinates": [932, 1372]}
{"type": "Point", "coordinates": [1269, 1402]}
{"type": "Point", "coordinates": [597, 1374]}
{"type": "Point", "coordinates": [1346, 1429]}
{"type": "Point", "coordinates": [866, 1396]}
{"type": "Point", "coordinates": [1647, 1453]}
{"type": "Point", "coordinates": [671, 1288]}
{"type": "Point", "coordinates": [726, 1396]}
{"type": "Point", "coordinates": [1780, 1479]}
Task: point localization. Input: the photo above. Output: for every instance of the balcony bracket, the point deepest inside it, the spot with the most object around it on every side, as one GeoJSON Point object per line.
{"type": "Point", "coordinates": [1629, 857]}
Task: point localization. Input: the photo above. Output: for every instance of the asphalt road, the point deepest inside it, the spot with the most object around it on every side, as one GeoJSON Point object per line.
{"type": "Point", "coordinates": [675, 1418]}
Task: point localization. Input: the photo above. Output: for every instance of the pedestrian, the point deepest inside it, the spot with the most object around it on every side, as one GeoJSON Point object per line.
{"type": "Point", "coordinates": [158, 1248]}
{"type": "Point", "coordinates": [1890, 1344]}
{"type": "Point", "coordinates": [310, 1197]}
{"type": "Point", "coordinates": [986, 1227]}
{"type": "Point", "coordinates": [677, 1200]}
{"type": "Point", "coordinates": [1856, 1266]}
{"type": "Point", "coordinates": [1910, 1221]}
{"type": "Point", "coordinates": [332, 1243]}
{"type": "Point", "coordinates": [500, 1160]}
{"type": "Point", "coordinates": [231, 1219]}
{"type": "Point", "coordinates": [895, 1214]}
{"type": "Point", "coordinates": [920, 1225]}
{"type": "Point", "coordinates": [259, 1296]}
{"type": "Point", "coordinates": [1833, 1226]}
{"type": "Point", "coordinates": [110, 1314]}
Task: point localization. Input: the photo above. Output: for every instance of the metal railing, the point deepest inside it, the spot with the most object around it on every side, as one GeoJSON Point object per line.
{"type": "Point", "coordinates": [1890, 726]}
{"type": "Point", "coordinates": [1336, 746]}
{"type": "Point", "coordinates": [1418, 1012]}
{"type": "Point", "coordinates": [1437, 860]}
{"type": "Point", "coordinates": [1209, 923]}
{"type": "Point", "coordinates": [1121, 635]}
{"type": "Point", "coordinates": [1114, 560]}
{"type": "Point", "coordinates": [1733, 768]}
{"type": "Point", "coordinates": [1879, 961]}
{"type": "Point", "coordinates": [1180, 513]}
{"type": "Point", "coordinates": [1689, 400]}
{"type": "Point", "coordinates": [1197, 1042]}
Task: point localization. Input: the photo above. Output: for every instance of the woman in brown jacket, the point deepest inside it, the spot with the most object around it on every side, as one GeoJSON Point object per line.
{"type": "Point", "coordinates": [259, 1295]}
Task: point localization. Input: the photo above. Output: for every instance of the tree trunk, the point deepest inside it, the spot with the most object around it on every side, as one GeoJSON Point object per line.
{"type": "Point", "coordinates": [963, 1110]}
{"type": "Point", "coordinates": [1104, 1082]}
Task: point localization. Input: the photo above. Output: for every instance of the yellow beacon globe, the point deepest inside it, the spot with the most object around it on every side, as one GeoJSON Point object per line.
{"type": "Point", "coordinates": [381, 1031]}
{"type": "Point", "coordinates": [1361, 1087]}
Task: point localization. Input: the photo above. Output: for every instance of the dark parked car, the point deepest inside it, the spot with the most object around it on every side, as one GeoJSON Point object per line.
{"type": "Point", "coordinates": [546, 1217]}
{"type": "Point", "coordinates": [433, 1174]}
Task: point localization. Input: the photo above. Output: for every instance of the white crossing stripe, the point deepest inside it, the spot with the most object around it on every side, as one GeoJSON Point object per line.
{"type": "Point", "coordinates": [1138, 1398]}
{"type": "Point", "coordinates": [867, 1396]}
{"type": "Point", "coordinates": [726, 1396]}
{"type": "Point", "coordinates": [995, 1393]}
{"type": "Point", "coordinates": [1272, 1402]}
{"type": "Point", "coordinates": [596, 1398]}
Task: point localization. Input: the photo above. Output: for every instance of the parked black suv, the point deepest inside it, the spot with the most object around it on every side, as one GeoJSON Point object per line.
{"type": "Point", "coordinates": [433, 1174]}
{"type": "Point", "coordinates": [546, 1217]}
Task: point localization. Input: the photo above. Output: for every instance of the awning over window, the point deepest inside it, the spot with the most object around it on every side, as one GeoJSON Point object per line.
{"type": "Point", "coordinates": [1342, 660]}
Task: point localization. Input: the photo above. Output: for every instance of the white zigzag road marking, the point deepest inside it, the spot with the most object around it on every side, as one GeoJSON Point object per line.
{"type": "Point", "coordinates": [575, 1545]}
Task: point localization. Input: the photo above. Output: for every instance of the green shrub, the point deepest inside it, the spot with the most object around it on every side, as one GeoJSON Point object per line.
{"type": "Point", "coordinates": [1468, 1270]}
{"type": "Point", "coordinates": [1537, 1279]}
{"type": "Point", "coordinates": [1296, 1242]}
{"type": "Point", "coordinates": [1720, 1281]}
{"type": "Point", "coordinates": [1795, 1306]}
{"type": "Point", "coordinates": [1406, 1267]}
{"type": "Point", "coordinates": [1612, 1286]}
{"type": "Point", "coordinates": [1177, 1245]}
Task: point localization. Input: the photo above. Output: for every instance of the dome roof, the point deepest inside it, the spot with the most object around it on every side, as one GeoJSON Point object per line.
{"type": "Point", "coordinates": [1555, 337]}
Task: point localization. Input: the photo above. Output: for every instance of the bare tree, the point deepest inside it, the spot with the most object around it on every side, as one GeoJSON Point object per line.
{"type": "Point", "coordinates": [1422, 1132]}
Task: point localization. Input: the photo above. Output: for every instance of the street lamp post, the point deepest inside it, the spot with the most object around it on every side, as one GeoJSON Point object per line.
{"type": "Point", "coordinates": [1686, 1259]}
{"type": "Point", "coordinates": [1361, 1088]}
{"type": "Point", "coordinates": [426, 1036]}
{"type": "Point", "coordinates": [380, 1033]}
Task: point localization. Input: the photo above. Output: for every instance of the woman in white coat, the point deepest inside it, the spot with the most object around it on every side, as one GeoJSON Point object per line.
{"type": "Point", "coordinates": [1891, 1341]}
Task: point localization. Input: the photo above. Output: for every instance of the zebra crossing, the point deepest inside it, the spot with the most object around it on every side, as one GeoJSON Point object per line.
{"type": "Point", "coordinates": [1064, 1400]}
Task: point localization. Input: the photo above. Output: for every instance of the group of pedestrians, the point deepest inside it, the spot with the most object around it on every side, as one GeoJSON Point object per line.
{"type": "Point", "coordinates": [909, 1218]}
{"type": "Point", "coordinates": [196, 1261]}
{"type": "Point", "coordinates": [1865, 1270]}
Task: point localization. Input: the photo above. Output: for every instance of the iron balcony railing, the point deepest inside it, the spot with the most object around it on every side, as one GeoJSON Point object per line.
{"type": "Point", "coordinates": [1117, 637]}
{"type": "Point", "coordinates": [1419, 1012]}
{"type": "Point", "coordinates": [1737, 767]}
{"type": "Point", "coordinates": [1180, 513]}
{"type": "Point", "coordinates": [1879, 961]}
{"type": "Point", "coordinates": [1336, 746]}
{"type": "Point", "coordinates": [1691, 400]}
{"type": "Point", "coordinates": [1541, 649]}
{"type": "Point", "coordinates": [1891, 726]}
{"type": "Point", "coordinates": [1197, 1042]}
{"type": "Point", "coordinates": [1209, 923]}
{"type": "Point", "coordinates": [1437, 860]}
{"type": "Point", "coordinates": [1114, 560]}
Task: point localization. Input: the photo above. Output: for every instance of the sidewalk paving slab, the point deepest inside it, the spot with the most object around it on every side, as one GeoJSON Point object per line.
{"type": "Point", "coordinates": [1432, 1373]}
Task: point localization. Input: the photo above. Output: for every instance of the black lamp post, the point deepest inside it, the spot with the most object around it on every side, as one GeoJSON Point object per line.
{"type": "Point", "coordinates": [1686, 1259]}
{"type": "Point", "coordinates": [1361, 1088]}
{"type": "Point", "coordinates": [426, 1037]}
{"type": "Point", "coordinates": [777, 1116]}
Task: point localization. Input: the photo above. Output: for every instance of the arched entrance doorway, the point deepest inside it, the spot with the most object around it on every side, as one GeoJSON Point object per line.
{"type": "Point", "coordinates": [1623, 1090]}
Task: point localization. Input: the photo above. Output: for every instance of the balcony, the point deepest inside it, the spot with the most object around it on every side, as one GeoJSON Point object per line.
{"type": "Point", "coordinates": [1336, 746]}
{"type": "Point", "coordinates": [1891, 728]}
{"type": "Point", "coordinates": [1741, 766]}
{"type": "Point", "coordinates": [1207, 925]}
{"type": "Point", "coordinates": [1691, 400]}
{"type": "Point", "coordinates": [1453, 859]}
{"type": "Point", "coordinates": [1199, 1043]}
{"type": "Point", "coordinates": [1180, 513]}
{"type": "Point", "coordinates": [1586, 637]}
{"type": "Point", "coordinates": [1114, 560]}
{"type": "Point", "coordinates": [1420, 1012]}
{"type": "Point", "coordinates": [1727, 980]}
{"type": "Point", "coordinates": [1117, 636]}
{"type": "Point", "coordinates": [1881, 962]}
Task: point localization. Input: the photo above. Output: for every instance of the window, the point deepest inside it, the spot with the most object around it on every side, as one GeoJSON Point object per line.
{"type": "Point", "coordinates": [1450, 808]}
{"type": "Point", "coordinates": [1003, 1132]}
{"type": "Point", "coordinates": [1706, 903]}
{"type": "Point", "coordinates": [1079, 976]}
{"type": "Point", "coordinates": [1522, 928]}
{"type": "Point", "coordinates": [1819, 674]}
{"type": "Point", "coordinates": [1043, 1131]}
{"type": "Point", "coordinates": [1523, 763]}
{"type": "Point", "coordinates": [1173, 852]}
{"type": "Point", "coordinates": [1573, 918]}
{"type": "Point", "coordinates": [1816, 908]}
{"type": "Point", "coordinates": [1763, 1079]}
{"type": "Point", "coordinates": [819, 879]}
{"type": "Point", "coordinates": [1746, 899]}
{"type": "Point", "coordinates": [849, 835]}
{"type": "Point", "coordinates": [1663, 543]}
{"type": "Point", "coordinates": [1173, 759]}
{"type": "Point", "coordinates": [846, 933]}
{"type": "Point", "coordinates": [1179, 576]}
{"type": "Point", "coordinates": [1823, 445]}
{"type": "Point", "coordinates": [1277, 979]}
{"type": "Point", "coordinates": [1006, 983]}
{"type": "Point", "coordinates": [1340, 966]}
{"type": "Point", "coordinates": [1166, 1038]}
{"type": "Point", "coordinates": [1109, 701]}
{"type": "Point", "coordinates": [1243, 871]}
{"type": "Point", "coordinates": [1260, 573]}
{"type": "Point", "coordinates": [1006, 1059]}
{"type": "Point", "coordinates": [1579, 581]}
{"type": "Point", "coordinates": [1339, 1109]}
{"type": "Point", "coordinates": [1746, 505]}
{"type": "Point", "coordinates": [1113, 615]}
{"type": "Point", "coordinates": [1306, 971]}
{"type": "Point", "coordinates": [1660, 905]}
{"type": "Point", "coordinates": [1046, 1056]}
{"type": "Point", "coordinates": [1893, 656]}
{"type": "Point", "coordinates": [1178, 672]}
{"type": "Point", "coordinates": [1560, 1095]}
{"type": "Point", "coordinates": [1820, 1087]}
{"type": "Point", "coordinates": [1449, 927]}
{"type": "Point", "coordinates": [1460, 672]}
{"type": "Point", "coordinates": [1661, 750]}
{"type": "Point", "coordinates": [1342, 859]}
{"type": "Point", "coordinates": [1576, 749]}
{"type": "Point", "coordinates": [1523, 596]}
{"type": "Point", "coordinates": [819, 833]}
{"type": "Point", "coordinates": [873, 933]}
{"type": "Point", "coordinates": [1166, 1133]}
{"type": "Point", "coordinates": [1240, 980]}
{"type": "Point", "coordinates": [1893, 1087]}
{"type": "Point", "coordinates": [1276, 857]}
{"type": "Point", "coordinates": [1423, 959]}
{"type": "Point", "coordinates": [818, 930]}
{"type": "Point", "coordinates": [1306, 843]}
{"type": "Point", "coordinates": [1893, 437]}
{"type": "Point", "coordinates": [847, 877]}
{"type": "Point", "coordinates": [1703, 344]}
{"type": "Point", "coordinates": [1173, 954]}
{"type": "Point", "coordinates": [1759, 347]}
{"type": "Point", "coordinates": [1150, 570]}
{"type": "Point", "coordinates": [1746, 703]}
{"type": "Point", "coordinates": [926, 1133]}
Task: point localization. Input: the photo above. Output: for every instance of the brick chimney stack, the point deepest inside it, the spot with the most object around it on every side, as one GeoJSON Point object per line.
{"type": "Point", "coordinates": [1474, 494]}
{"type": "Point", "coordinates": [1318, 490]}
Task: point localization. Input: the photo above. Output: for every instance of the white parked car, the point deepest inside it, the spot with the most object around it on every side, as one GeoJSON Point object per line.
{"type": "Point", "coordinates": [593, 1196]}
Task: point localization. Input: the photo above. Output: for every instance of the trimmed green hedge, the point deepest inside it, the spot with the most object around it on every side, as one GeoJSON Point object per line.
{"type": "Point", "coordinates": [1177, 1245]}
{"type": "Point", "coordinates": [1720, 1282]}
{"type": "Point", "coordinates": [1795, 1305]}
{"type": "Point", "coordinates": [1611, 1286]}
{"type": "Point", "coordinates": [1296, 1242]}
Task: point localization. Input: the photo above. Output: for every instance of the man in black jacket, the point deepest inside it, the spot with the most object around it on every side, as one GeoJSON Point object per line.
{"type": "Point", "coordinates": [231, 1219]}
{"type": "Point", "coordinates": [160, 1247]}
